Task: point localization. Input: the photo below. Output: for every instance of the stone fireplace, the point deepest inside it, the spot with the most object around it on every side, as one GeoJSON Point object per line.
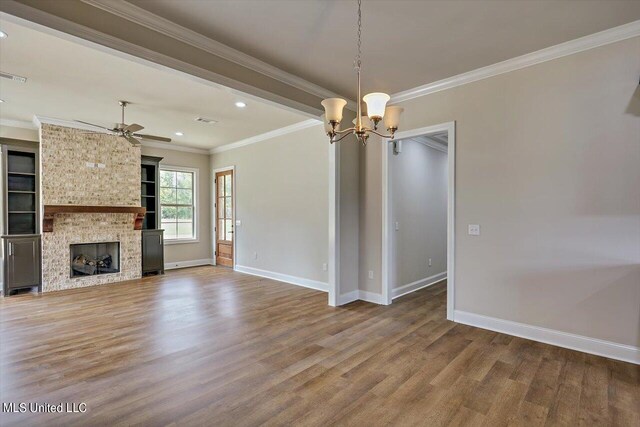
{"type": "Point", "coordinates": [88, 169]}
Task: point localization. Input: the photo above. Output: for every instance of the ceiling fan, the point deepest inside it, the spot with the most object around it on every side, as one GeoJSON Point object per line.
{"type": "Point", "coordinates": [128, 132]}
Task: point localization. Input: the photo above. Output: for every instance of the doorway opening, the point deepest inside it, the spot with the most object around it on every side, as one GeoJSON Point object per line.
{"type": "Point", "coordinates": [418, 212]}
{"type": "Point", "coordinates": [224, 217]}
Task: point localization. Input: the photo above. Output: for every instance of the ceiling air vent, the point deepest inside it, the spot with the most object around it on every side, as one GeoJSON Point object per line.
{"type": "Point", "coordinates": [13, 77]}
{"type": "Point", "coordinates": [205, 120]}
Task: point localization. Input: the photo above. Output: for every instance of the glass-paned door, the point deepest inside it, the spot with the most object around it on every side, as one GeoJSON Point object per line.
{"type": "Point", "coordinates": [224, 218]}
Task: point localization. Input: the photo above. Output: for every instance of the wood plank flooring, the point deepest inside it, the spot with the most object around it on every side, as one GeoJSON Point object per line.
{"type": "Point", "coordinates": [208, 346]}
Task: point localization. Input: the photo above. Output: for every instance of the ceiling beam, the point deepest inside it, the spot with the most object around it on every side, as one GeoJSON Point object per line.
{"type": "Point", "coordinates": [129, 30]}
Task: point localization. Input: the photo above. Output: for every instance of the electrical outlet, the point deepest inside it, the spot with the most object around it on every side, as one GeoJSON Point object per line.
{"type": "Point", "coordinates": [238, 223]}
{"type": "Point", "coordinates": [255, 255]}
{"type": "Point", "coordinates": [429, 262]}
{"type": "Point", "coordinates": [397, 226]}
{"type": "Point", "coordinates": [474, 229]}
{"type": "Point", "coordinates": [324, 267]}
{"type": "Point", "coordinates": [370, 274]}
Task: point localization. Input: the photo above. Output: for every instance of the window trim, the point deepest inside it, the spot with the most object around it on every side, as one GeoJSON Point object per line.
{"type": "Point", "coordinates": [196, 228]}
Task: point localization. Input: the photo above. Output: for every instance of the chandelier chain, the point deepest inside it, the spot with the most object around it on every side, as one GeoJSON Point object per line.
{"type": "Point", "coordinates": [358, 60]}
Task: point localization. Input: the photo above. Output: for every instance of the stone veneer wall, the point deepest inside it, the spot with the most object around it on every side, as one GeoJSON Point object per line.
{"type": "Point", "coordinates": [66, 180]}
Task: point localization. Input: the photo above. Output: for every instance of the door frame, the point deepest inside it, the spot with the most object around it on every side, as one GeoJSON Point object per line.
{"type": "Point", "coordinates": [214, 212]}
{"type": "Point", "coordinates": [387, 255]}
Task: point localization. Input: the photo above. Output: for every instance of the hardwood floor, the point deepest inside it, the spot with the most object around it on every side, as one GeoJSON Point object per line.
{"type": "Point", "coordinates": [207, 346]}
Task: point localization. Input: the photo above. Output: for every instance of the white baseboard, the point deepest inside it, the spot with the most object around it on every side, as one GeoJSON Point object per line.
{"type": "Point", "coordinates": [184, 264]}
{"type": "Point", "coordinates": [418, 284]}
{"type": "Point", "coordinates": [300, 281]}
{"type": "Point", "coordinates": [349, 297]}
{"type": "Point", "coordinates": [359, 295]}
{"type": "Point", "coordinates": [595, 346]}
{"type": "Point", "coordinates": [370, 297]}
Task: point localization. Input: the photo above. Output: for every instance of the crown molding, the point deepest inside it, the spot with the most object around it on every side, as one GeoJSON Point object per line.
{"type": "Point", "coordinates": [38, 121]}
{"type": "Point", "coordinates": [166, 146]}
{"type": "Point", "coordinates": [22, 124]}
{"type": "Point", "coordinates": [602, 38]}
{"type": "Point", "coordinates": [267, 135]}
{"type": "Point", "coordinates": [168, 28]}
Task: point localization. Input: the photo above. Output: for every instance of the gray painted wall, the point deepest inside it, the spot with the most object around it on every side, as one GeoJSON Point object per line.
{"type": "Point", "coordinates": [282, 195]}
{"type": "Point", "coordinates": [547, 163]}
{"type": "Point", "coordinates": [418, 200]}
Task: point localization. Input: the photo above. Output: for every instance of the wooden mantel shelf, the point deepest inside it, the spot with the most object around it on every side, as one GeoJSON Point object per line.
{"type": "Point", "coordinates": [50, 212]}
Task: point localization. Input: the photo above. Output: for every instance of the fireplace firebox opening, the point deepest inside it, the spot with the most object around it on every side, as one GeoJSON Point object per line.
{"type": "Point", "coordinates": [90, 259]}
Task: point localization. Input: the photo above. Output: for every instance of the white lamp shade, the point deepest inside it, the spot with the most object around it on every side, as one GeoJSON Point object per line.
{"type": "Point", "coordinates": [375, 104]}
{"type": "Point", "coordinates": [392, 117]}
{"type": "Point", "coordinates": [333, 108]}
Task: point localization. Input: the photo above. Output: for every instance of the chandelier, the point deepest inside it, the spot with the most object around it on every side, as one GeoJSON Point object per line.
{"type": "Point", "coordinates": [377, 108]}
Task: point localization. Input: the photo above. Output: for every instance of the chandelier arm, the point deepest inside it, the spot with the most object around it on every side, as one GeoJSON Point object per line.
{"type": "Point", "coordinates": [341, 138]}
{"type": "Point", "coordinates": [379, 134]}
{"type": "Point", "coordinates": [340, 132]}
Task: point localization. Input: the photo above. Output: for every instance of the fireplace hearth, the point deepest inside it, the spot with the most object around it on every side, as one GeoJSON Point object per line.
{"type": "Point", "coordinates": [90, 259]}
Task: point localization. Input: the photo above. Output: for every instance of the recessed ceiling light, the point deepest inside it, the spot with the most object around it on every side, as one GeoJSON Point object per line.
{"type": "Point", "coordinates": [3, 35]}
{"type": "Point", "coordinates": [179, 133]}
{"type": "Point", "coordinates": [240, 104]}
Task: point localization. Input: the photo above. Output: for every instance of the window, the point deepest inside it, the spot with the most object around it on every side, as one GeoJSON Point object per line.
{"type": "Point", "coordinates": [178, 203]}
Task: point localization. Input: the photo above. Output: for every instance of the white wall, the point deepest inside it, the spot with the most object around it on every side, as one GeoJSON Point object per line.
{"type": "Point", "coordinates": [282, 194]}
{"type": "Point", "coordinates": [547, 162]}
{"type": "Point", "coordinates": [418, 200]}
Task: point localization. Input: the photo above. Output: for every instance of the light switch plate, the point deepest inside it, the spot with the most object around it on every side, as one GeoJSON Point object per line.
{"type": "Point", "coordinates": [238, 223]}
{"type": "Point", "coordinates": [474, 229]}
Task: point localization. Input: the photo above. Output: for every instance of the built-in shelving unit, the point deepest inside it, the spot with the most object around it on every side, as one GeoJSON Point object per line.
{"type": "Point", "coordinates": [149, 176]}
{"type": "Point", "coordinates": [21, 192]}
{"type": "Point", "coordinates": [21, 225]}
{"type": "Point", "coordinates": [152, 236]}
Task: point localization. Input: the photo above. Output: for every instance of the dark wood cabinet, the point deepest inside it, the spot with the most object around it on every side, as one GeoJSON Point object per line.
{"type": "Point", "coordinates": [22, 263]}
{"type": "Point", "coordinates": [21, 218]}
{"type": "Point", "coordinates": [152, 251]}
{"type": "Point", "coordinates": [152, 235]}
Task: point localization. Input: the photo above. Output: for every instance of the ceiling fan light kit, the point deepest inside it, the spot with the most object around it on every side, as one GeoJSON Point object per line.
{"type": "Point", "coordinates": [377, 109]}
{"type": "Point", "coordinates": [127, 132]}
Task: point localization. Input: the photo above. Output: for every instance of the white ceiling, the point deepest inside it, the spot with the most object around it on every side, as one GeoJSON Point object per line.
{"type": "Point", "coordinates": [67, 80]}
{"type": "Point", "coordinates": [406, 43]}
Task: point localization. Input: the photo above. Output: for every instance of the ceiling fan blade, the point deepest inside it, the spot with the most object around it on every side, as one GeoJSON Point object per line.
{"type": "Point", "coordinates": [131, 140]}
{"type": "Point", "coordinates": [95, 126]}
{"type": "Point", "coordinates": [134, 127]}
{"type": "Point", "coordinates": [153, 137]}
